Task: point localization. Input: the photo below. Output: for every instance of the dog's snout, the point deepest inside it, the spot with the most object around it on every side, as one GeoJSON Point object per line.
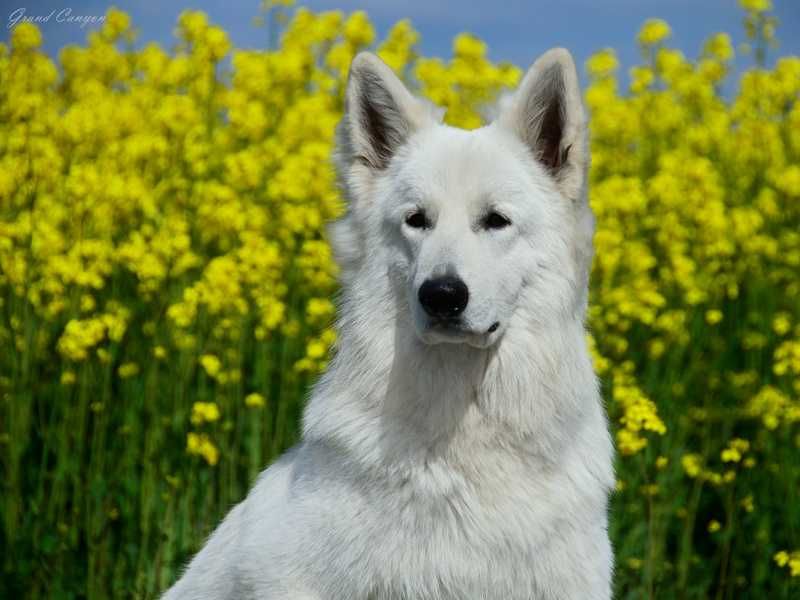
{"type": "Point", "coordinates": [444, 297]}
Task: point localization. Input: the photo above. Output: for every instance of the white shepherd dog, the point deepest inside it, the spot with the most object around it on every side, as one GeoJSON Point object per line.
{"type": "Point", "coordinates": [457, 447]}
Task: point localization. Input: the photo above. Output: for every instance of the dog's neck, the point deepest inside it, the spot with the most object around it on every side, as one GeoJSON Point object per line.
{"type": "Point", "coordinates": [390, 400]}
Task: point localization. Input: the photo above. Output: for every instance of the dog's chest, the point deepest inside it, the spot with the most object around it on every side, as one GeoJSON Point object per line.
{"type": "Point", "coordinates": [488, 516]}
{"type": "Point", "coordinates": [471, 533]}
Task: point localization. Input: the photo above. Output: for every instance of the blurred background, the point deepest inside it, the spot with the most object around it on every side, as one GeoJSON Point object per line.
{"type": "Point", "coordinates": [167, 291]}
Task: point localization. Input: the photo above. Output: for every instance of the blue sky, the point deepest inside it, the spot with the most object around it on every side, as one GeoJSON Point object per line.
{"type": "Point", "coordinates": [516, 30]}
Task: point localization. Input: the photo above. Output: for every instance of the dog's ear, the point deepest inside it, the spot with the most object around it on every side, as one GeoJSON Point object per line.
{"type": "Point", "coordinates": [546, 112]}
{"type": "Point", "coordinates": [380, 113]}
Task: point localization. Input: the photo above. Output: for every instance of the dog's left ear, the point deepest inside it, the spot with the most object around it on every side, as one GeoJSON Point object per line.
{"type": "Point", "coordinates": [546, 112]}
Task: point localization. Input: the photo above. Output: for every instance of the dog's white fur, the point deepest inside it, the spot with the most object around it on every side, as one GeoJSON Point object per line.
{"type": "Point", "coordinates": [436, 462]}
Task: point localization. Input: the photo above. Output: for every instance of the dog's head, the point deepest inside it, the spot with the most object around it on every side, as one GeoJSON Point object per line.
{"type": "Point", "coordinates": [470, 228]}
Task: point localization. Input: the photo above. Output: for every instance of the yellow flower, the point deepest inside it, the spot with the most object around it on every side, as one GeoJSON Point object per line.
{"type": "Point", "coordinates": [319, 308]}
{"type": "Point", "coordinates": [635, 563]}
{"type": "Point", "coordinates": [629, 442]}
{"type": "Point", "coordinates": [794, 565]}
{"type": "Point", "coordinates": [790, 560]}
{"type": "Point", "coordinates": [204, 412]}
{"type": "Point", "coordinates": [639, 414]}
{"type": "Point", "coordinates": [773, 407]}
{"type": "Point", "coordinates": [641, 79]}
{"type": "Point", "coordinates": [217, 43]}
{"type": "Point", "coordinates": [736, 448]}
{"type": "Point", "coordinates": [211, 364]}
{"type": "Point", "coordinates": [193, 24]}
{"type": "Point", "coordinates": [254, 400]}
{"type": "Point", "coordinates": [397, 49]}
{"type": "Point", "coordinates": [87, 303]}
{"type": "Point", "coordinates": [26, 36]}
{"type": "Point", "coordinates": [79, 336]}
{"type": "Point", "coordinates": [651, 489]}
{"type": "Point", "coordinates": [692, 464]}
{"type": "Point", "coordinates": [117, 22]}
{"type": "Point", "coordinates": [756, 5]}
{"type": "Point", "coordinates": [467, 45]}
{"type": "Point", "coordinates": [603, 63]}
{"type": "Point", "coordinates": [720, 47]}
{"type": "Point", "coordinates": [316, 349]}
{"type": "Point", "coordinates": [200, 444]}
{"type": "Point", "coordinates": [714, 526]}
{"type": "Point", "coordinates": [781, 323]}
{"type": "Point", "coordinates": [128, 369]}
{"type": "Point", "coordinates": [358, 30]}
{"type": "Point", "coordinates": [652, 32]}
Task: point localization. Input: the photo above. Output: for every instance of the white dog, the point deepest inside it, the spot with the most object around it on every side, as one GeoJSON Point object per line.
{"type": "Point", "coordinates": [457, 447]}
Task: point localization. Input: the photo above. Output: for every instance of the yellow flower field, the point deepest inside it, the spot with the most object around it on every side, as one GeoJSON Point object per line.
{"type": "Point", "coordinates": [167, 292]}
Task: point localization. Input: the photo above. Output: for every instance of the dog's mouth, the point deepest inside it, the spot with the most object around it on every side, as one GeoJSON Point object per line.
{"type": "Point", "coordinates": [455, 331]}
{"type": "Point", "coordinates": [457, 324]}
{"type": "Point", "coordinates": [454, 324]}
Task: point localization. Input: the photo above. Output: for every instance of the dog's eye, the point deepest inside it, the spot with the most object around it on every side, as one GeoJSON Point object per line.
{"type": "Point", "coordinates": [417, 220]}
{"type": "Point", "coordinates": [494, 220]}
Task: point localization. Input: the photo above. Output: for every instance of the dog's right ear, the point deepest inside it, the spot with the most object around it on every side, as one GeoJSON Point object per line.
{"type": "Point", "coordinates": [380, 114]}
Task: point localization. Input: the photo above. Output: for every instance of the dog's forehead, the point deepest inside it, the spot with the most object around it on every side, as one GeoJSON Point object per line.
{"type": "Point", "coordinates": [464, 165]}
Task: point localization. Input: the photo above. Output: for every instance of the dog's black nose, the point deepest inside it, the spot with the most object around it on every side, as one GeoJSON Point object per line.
{"type": "Point", "coordinates": [444, 297]}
